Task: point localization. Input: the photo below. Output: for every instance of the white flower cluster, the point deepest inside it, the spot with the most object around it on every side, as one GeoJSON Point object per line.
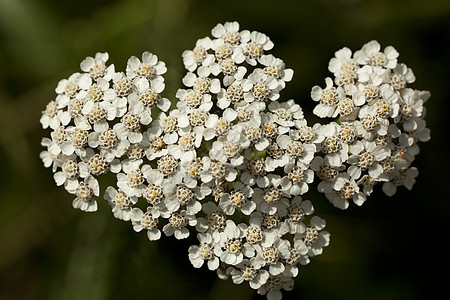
{"type": "Point", "coordinates": [379, 122]}
{"type": "Point", "coordinates": [231, 162]}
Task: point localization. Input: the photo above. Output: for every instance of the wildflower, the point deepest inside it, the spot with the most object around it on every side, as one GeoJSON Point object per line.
{"type": "Point", "coordinates": [328, 98]}
{"type": "Point", "coordinates": [112, 141]}
{"type": "Point", "coordinates": [345, 189]}
{"type": "Point", "coordinates": [254, 44]}
{"type": "Point", "coordinates": [343, 62]}
{"type": "Point", "coordinates": [366, 156]}
{"type": "Point", "coordinates": [249, 270]}
{"type": "Point", "coordinates": [296, 212]}
{"type": "Point", "coordinates": [230, 248]}
{"type": "Point", "coordinates": [370, 54]}
{"type": "Point", "coordinates": [96, 66]}
{"type": "Point", "coordinates": [204, 252]}
{"type": "Point", "coordinates": [297, 179]}
{"type": "Point", "coordinates": [201, 83]}
{"type": "Point", "coordinates": [260, 87]}
{"type": "Point", "coordinates": [177, 224]}
{"type": "Point", "coordinates": [401, 76]}
{"type": "Point", "coordinates": [405, 178]}
{"type": "Point", "coordinates": [148, 221]}
{"type": "Point", "coordinates": [238, 198]}
{"type": "Point", "coordinates": [133, 179]}
{"type": "Point", "coordinates": [150, 67]}
{"type": "Point", "coordinates": [122, 204]}
{"type": "Point", "coordinates": [314, 237]}
{"type": "Point", "coordinates": [272, 255]}
{"type": "Point", "coordinates": [199, 55]}
{"type": "Point", "coordinates": [273, 286]}
{"type": "Point", "coordinates": [85, 192]}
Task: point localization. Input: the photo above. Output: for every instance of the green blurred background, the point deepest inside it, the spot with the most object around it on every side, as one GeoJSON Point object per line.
{"type": "Point", "coordinates": [391, 248]}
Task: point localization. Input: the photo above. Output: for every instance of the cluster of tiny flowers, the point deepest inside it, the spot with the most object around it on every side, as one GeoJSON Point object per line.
{"type": "Point", "coordinates": [98, 118]}
{"type": "Point", "coordinates": [251, 157]}
{"type": "Point", "coordinates": [379, 121]}
{"type": "Point", "coordinates": [229, 162]}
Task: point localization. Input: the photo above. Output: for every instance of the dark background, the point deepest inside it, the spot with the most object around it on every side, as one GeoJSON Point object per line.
{"type": "Point", "coordinates": [391, 248]}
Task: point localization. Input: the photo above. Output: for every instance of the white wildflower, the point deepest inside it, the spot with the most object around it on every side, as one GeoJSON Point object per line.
{"type": "Point", "coordinates": [342, 62]}
{"type": "Point", "coordinates": [250, 271]}
{"type": "Point", "coordinates": [148, 221]}
{"type": "Point", "coordinates": [254, 45]}
{"type": "Point", "coordinates": [297, 211]}
{"type": "Point", "coordinates": [122, 204]}
{"type": "Point", "coordinates": [178, 222]}
{"type": "Point", "coordinates": [132, 181]}
{"type": "Point", "coordinates": [345, 189]}
{"type": "Point", "coordinates": [149, 67]}
{"type": "Point", "coordinates": [199, 55]}
{"type": "Point", "coordinates": [366, 156]}
{"type": "Point", "coordinates": [370, 54]}
{"type": "Point", "coordinates": [405, 178]}
{"type": "Point", "coordinates": [204, 251]}
{"type": "Point", "coordinates": [239, 198]}
{"type": "Point", "coordinates": [401, 76]}
{"type": "Point", "coordinates": [96, 66]}
{"type": "Point", "coordinates": [328, 98]}
{"type": "Point", "coordinates": [273, 286]}
{"type": "Point", "coordinates": [85, 192]}
{"type": "Point", "coordinates": [112, 142]}
{"type": "Point", "coordinates": [276, 68]}
{"type": "Point", "coordinates": [231, 249]}
{"type": "Point", "coordinates": [260, 87]}
{"type": "Point", "coordinates": [314, 237]}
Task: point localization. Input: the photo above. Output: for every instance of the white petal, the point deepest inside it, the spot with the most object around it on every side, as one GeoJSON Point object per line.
{"type": "Point", "coordinates": [181, 233]}
{"type": "Point", "coordinates": [276, 269]}
{"type": "Point", "coordinates": [164, 104]}
{"type": "Point", "coordinates": [59, 178]}
{"type": "Point", "coordinates": [283, 141]}
{"type": "Point", "coordinates": [67, 148]}
{"type": "Point", "coordinates": [158, 86]}
{"type": "Point", "coordinates": [134, 137]}
{"type": "Point", "coordinates": [215, 86]}
{"type": "Point", "coordinates": [213, 264]}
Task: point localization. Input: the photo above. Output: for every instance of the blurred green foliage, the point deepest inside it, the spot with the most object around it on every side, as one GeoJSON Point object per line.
{"type": "Point", "coordinates": [387, 249]}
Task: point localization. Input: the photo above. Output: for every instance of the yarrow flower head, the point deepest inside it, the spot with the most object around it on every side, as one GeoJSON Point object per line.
{"type": "Point", "coordinates": [230, 161]}
{"type": "Point", "coordinates": [377, 110]}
